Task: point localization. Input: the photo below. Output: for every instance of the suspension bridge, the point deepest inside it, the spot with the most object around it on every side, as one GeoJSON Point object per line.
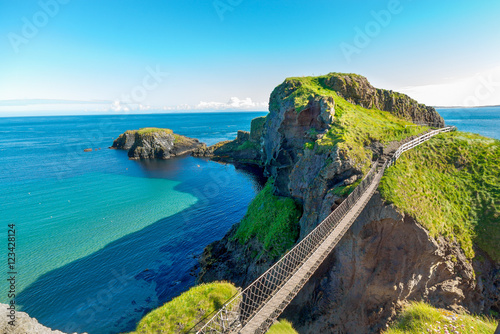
{"type": "Point", "coordinates": [254, 309]}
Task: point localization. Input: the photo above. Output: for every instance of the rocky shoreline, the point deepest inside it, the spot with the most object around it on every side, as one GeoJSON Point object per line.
{"type": "Point", "coordinates": [23, 324]}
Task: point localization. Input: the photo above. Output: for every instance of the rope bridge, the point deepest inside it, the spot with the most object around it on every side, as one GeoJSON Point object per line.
{"type": "Point", "coordinates": [254, 309]}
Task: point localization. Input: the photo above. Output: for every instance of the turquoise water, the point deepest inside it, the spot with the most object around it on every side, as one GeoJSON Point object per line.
{"type": "Point", "coordinates": [86, 213]}
{"type": "Point", "coordinates": [102, 239]}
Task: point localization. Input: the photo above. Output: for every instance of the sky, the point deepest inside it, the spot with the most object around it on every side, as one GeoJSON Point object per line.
{"type": "Point", "coordinates": [74, 56]}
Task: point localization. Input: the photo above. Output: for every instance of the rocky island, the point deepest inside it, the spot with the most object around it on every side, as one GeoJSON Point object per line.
{"type": "Point", "coordinates": [151, 143]}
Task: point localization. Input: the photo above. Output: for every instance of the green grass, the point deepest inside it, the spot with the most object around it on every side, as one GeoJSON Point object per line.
{"type": "Point", "coordinates": [420, 318]}
{"type": "Point", "coordinates": [272, 219]}
{"type": "Point", "coordinates": [343, 191]}
{"type": "Point", "coordinates": [282, 327]}
{"type": "Point", "coordinates": [183, 312]}
{"type": "Point", "coordinates": [248, 145]}
{"type": "Point", "coordinates": [147, 131]}
{"type": "Point", "coordinates": [354, 127]}
{"type": "Point", "coordinates": [451, 185]}
{"type": "Point", "coordinates": [256, 127]}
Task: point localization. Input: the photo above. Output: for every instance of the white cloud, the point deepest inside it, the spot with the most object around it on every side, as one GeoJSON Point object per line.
{"type": "Point", "coordinates": [478, 90]}
{"type": "Point", "coordinates": [234, 103]}
{"type": "Point", "coordinates": [117, 106]}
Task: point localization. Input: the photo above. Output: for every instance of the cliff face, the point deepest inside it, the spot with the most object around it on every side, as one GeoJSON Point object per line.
{"type": "Point", "coordinates": [384, 260]}
{"type": "Point", "coordinates": [151, 143]}
{"type": "Point", "coordinates": [357, 90]}
{"type": "Point", "coordinates": [317, 142]}
{"type": "Point", "coordinates": [298, 116]}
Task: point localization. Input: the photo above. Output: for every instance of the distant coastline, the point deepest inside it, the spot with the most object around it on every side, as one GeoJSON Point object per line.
{"type": "Point", "coordinates": [459, 107]}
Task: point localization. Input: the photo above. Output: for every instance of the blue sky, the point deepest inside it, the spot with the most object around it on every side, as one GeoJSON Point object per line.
{"type": "Point", "coordinates": [103, 55]}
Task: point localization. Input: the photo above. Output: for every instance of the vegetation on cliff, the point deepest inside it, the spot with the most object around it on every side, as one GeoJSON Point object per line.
{"type": "Point", "coordinates": [451, 185]}
{"type": "Point", "coordinates": [150, 131]}
{"type": "Point", "coordinates": [354, 127]}
{"type": "Point", "coordinates": [282, 327]}
{"type": "Point", "coordinates": [183, 312]}
{"type": "Point", "coordinates": [420, 318]}
{"type": "Point", "coordinates": [273, 220]}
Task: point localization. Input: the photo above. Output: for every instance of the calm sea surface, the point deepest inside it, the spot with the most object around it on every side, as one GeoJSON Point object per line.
{"type": "Point", "coordinates": [485, 121]}
{"type": "Point", "coordinates": [102, 239]}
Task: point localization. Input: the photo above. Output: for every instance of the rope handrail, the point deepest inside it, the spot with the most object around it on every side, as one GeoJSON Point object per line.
{"type": "Point", "coordinates": [235, 314]}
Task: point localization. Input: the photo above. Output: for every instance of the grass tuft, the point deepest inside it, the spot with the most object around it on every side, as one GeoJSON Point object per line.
{"type": "Point", "coordinates": [282, 327]}
{"type": "Point", "coordinates": [420, 317]}
{"type": "Point", "coordinates": [183, 312]}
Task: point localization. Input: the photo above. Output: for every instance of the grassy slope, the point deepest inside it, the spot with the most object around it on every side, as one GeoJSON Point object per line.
{"type": "Point", "coordinates": [421, 318]}
{"type": "Point", "coordinates": [272, 219]}
{"type": "Point", "coordinates": [186, 310]}
{"type": "Point", "coordinates": [282, 327]}
{"type": "Point", "coordinates": [354, 127]}
{"type": "Point", "coordinates": [451, 185]}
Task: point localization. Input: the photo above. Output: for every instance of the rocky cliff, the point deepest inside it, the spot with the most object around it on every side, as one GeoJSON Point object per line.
{"type": "Point", "coordinates": [319, 139]}
{"type": "Point", "coordinates": [151, 143]}
{"type": "Point", "coordinates": [246, 148]}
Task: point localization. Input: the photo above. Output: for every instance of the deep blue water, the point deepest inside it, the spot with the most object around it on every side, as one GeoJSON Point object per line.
{"type": "Point", "coordinates": [484, 121]}
{"type": "Point", "coordinates": [102, 239]}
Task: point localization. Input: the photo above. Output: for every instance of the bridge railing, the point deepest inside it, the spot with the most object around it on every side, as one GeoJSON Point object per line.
{"type": "Point", "coordinates": [238, 310]}
{"type": "Point", "coordinates": [415, 142]}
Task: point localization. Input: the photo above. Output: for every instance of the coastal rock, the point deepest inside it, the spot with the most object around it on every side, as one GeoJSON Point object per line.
{"type": "Point", "coordinates": [23, 324]}
{"type": "Point", "coordinates": [246, 148]}
{"type": "Point", "coordinates": [357, 90]}
{"type": "Point", "coordinates": [151, 143]}
{"type": "Point", "coordinates": [387, 258]}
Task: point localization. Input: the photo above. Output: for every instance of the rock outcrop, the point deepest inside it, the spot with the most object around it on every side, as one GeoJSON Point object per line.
{"type": "Point", "coordinates": [151, 143]}
{"type": "Point", "coordinates": [357, 90]}
{"type": "Point", "coordinates": [23, 324]}
{"type": "Point", "coordinates": [246, 148]}
{"type": "Point", "coordinates": [387, 258]}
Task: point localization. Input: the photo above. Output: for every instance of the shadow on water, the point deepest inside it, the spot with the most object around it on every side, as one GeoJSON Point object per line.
{"type": "Point", "coordinates": [111, 289]}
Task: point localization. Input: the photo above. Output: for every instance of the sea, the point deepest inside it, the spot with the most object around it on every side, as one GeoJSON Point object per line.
{"type": "Point", "coordinates": [101, 239]}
